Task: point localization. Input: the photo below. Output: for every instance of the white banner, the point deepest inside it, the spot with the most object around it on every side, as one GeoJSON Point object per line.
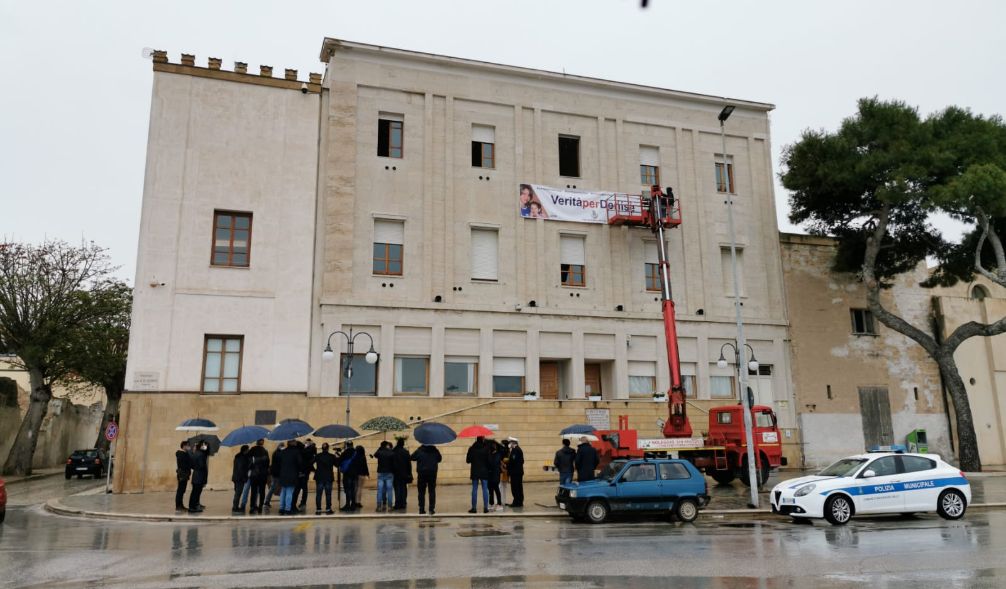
{"type": "Point", "coordinates": [541, 202]}
{"type": "Point", "coordinates": [671, 443]}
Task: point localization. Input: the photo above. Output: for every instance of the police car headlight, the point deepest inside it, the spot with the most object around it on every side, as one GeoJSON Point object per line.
{"type": "Point", "coordinates": [805, 490]}
{"type": "Point", "coordinates": [572, 493]}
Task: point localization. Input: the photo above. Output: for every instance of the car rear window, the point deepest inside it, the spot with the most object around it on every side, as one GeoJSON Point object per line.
{"type": "Point", "coordinates": [85, 453]}
{"type": "Point", "coordinates": [917, 463]}
{"type": "Point", "coordinates": [673, 471]}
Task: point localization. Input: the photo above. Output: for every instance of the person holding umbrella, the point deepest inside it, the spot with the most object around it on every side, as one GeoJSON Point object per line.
{"type": "Point", "coordinates": [324, 476]}
{"type": "Point", "coordinates": [183, 470]}
{"type": "Point", "coordinates": [403, 475]}
{"type": "Point", "coordinates": [427, 459]}
{"type": "Point", "coordinates": [586, 461]}
{"type": "Point", "coordinates": [385, 456]}
{"type": "Point", "coordinates": [258, 474]}
{"type": "Point", "coordinates": [200, 474]}
{"type": "Point", "coordinates": [274, 473]}
{"type": "Point", "coordinates": [239, 476]}
{"type": "Point", "coordinates": [478, 458]}
{"type": "Point", "coordinates": [289, 466]}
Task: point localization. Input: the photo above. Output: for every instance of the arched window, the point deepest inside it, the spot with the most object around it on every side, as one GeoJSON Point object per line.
{"type": "Point", "coordinates": [979, 292]}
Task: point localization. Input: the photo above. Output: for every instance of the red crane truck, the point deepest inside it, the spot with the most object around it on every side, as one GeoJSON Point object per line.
{"type": "Point", "coordinates": [722, 453]}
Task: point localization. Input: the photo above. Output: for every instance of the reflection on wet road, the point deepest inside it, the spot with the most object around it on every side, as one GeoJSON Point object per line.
{"type": "Point", "coordinates": [42, 550]}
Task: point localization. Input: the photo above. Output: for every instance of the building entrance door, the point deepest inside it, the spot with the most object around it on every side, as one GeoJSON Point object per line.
{"type": "Point", "coordinates": [592, 379]}
{"type": "Point", "coordinates": [875, 409]}
{"type": "Point", "coordinates": [548, 378]}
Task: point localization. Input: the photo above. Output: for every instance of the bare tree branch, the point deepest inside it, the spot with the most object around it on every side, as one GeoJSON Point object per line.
{"type": "Point", "coordinates": [988, 231]}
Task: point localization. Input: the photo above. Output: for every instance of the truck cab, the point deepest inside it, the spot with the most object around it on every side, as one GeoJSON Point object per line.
{"type": "Point", "coordinates": [726, 429]}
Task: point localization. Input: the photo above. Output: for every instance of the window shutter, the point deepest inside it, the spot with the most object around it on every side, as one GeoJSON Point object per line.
{"type": "Point", "coordinates": [390, 116]}
{"type": "Point", "coordinates": [485, 254]}
{"type": "Point", "coordinates": [650, 249]}
{"type": "Point", "coordinates": [389, 232]}
{"type": "Point", "coordinates": [571, 250]}
{"type": "Point", "coordinates": [508, 366]}
{"type": "Point", "coordinates": [483, 134]}
{"type": "Point", "coordinates": [642, 368]}
{"type": "Point", "coordinates": [649, 155]}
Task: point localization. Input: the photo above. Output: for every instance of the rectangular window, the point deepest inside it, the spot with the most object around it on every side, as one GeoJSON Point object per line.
{"type": "Point", "coordinates": [363, 377]}
{"type": "Point", "coordinates": [649, 165]}
{"type": "Point", "coordinates": [231, 239]}
{"type": "Point", "coordinates": [572, 258]}
{"type": "Point", "coordinates": [726, 265]}
{"type": "Point", "coordinates": [485, 254]}
{"type": "Point", "coordinates": [569, 156]}
{"type": "Point", "coordinates": [642, 378]}
{"type": "Point", "coordinates": [460, 375]}
{"type": "Point", "coordinates": [688, 383]}
{"type": "Point", "coordinates": [763, 370]}
{"type": "Point", "coordinates": [862, 322]}
{"type": "Point", "coordinates": [412, 375]}
{"type": "Point", "coordinates": [390, 135]}
{"type": "Point", "coordinates": [651, 267]}
{"type": "Point", "coordinates": [721, 387]}
{"type": "Point", "coordinates": [508, 377]}
{"type": "Point", "coordinates": [222, 363]}
{"type": "Point", "coordinates": [388, 249]}
{"type": "Point", "coordinates": [725, 182]}
{"type": "Point", "coordinates": [483, 146]}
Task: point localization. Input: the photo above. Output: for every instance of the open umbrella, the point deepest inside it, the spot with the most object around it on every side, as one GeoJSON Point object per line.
{"type": "Point", "coordinates": [212, 442]}
{"type": "Point", "coordinates": [337, 431]}
{"type": "Point", "coordinates": [580, 428]}
{"type": "Point", "coordinates": [384, 424]}
{"type": "Point", "coordinates": [289, 429]}
{"type": "Point", "coordinates": [197, 424]}
{"type": "Point", "coordinates": [576, 437]}
{"type": "Point", "coordinates": [245, 435]}
{"type": "Point", "coordinates": [434, 434]}
{"type": "Point", "coordinates": [475, 431]}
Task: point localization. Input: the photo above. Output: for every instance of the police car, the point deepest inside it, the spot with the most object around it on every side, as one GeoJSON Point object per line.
{"type": "Point", "coordinates": [875, 483]}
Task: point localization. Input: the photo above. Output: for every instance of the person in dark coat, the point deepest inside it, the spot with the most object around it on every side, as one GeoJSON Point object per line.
{"type": "Point", "coordinates": [478, 458]}
{"type": "Point", "coordinates": [200, 474]}
{"type": "Point", "coordinates": [239, 476]}
{"type": "Point", "coordinates": [324, 476]}
{"type": "Point", "coordinates": [403, 475]}
{"type": "Point", "coordinates": [586, 461]}
{"type": "Point", "coordinates": [385, 476]}
{"type": "Point", "coordinates": [349, 477]}
{"type": "Point", "coordinates": [308, 452]}
{"type": "Point", "coordinates": [427, 459]}
{"type": "Point", "coordinates": [495, 470]}
{"type": "Point", "coordinates": [362, 474]}
{"type": "Point", "coordinates": [274, 473]}
{"type": "Point", "coordinates": [289, 459]}
{"type": "Point", "coordinates": [258, 474]}
{"type": "Point", "coordinates": [563, 462]}
{"type": "Point", "coordinates": [183, 470]}
{"type": "Point", "coordinates": [515, 468]}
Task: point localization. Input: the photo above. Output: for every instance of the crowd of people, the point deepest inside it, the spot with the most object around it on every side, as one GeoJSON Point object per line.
{"type": "Point", "coordinates": [259, 477]}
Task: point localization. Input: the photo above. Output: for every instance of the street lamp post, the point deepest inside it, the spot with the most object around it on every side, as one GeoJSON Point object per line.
{"type": "Point", "coordinates": [741, 343]}
{"type": "Point", "coordinates": [347, 371]}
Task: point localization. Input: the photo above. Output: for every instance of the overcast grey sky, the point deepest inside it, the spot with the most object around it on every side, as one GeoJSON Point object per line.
{"type": "Point", "coordinates": [76, 94]}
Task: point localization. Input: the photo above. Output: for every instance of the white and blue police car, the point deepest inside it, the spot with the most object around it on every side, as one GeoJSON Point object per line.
{"type": "Point", "coordinates": [875, 483]}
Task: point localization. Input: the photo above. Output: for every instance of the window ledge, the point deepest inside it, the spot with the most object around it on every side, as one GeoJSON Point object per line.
{"type": "Point", "coordinates": [226, 267]}
{"type": "Point", "coordinates": [485, 281]}
{"type": "Point", "coordinates": [866, 334]}
{"type": "Point", "coordinates": [383, 276]}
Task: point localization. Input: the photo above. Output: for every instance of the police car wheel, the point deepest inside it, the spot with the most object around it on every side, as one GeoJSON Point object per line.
{"type": "Point", "coordinates": [838, 510]}
{"type": "Point", "coordinates": [951, 504]}
{"type": "Point", "coordinates": [686, 510]}
{"type": "Point", "coordinates": [597, 512]}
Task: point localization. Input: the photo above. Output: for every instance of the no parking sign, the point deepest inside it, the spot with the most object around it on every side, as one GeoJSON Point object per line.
{"type": "Point", "coordinates": [111, 431]}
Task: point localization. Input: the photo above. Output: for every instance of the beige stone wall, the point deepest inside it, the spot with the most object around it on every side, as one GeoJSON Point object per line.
{"type": "Point", "coordinates": [825, 354]}
{"type": "Point", "coordinates": [149, 440]}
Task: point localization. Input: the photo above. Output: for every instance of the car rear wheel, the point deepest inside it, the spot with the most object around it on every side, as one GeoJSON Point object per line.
{"type": "Point", "coordinates": [838, 510]}
{"type": "Point", "coordinates": [686, 510]}
{"type": "Point", "coordinates": [951, 504]}
{"type": "Point", "coordinates": [597, 512]}
{"type": "Point", "coordinates": [68, 475]}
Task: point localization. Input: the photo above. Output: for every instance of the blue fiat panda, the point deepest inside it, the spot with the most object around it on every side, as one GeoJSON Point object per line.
{"type": "Point", "coordinates": [666, 486]}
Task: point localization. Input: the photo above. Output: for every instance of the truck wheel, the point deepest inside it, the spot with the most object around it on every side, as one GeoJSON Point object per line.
{"type": "Point", "coordinates": [838, 510]}
{"type": "Point", "coordinates": [686, 510]}
{"type": "Point", "coordinates": [763, 472]}
{"type": "Point", "coordinates": [951, 504]}
{"type": "Point", "coordinates": [597, 512]}
{"type": "Point", "coordinates": [723, 477]}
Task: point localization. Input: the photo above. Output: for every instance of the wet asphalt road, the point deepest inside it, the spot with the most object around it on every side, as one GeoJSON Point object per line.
{"type": "Point", "coordinates": [38, 549]}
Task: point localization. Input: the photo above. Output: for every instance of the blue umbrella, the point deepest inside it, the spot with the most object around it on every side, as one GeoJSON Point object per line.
{"type": "Point", "coordinates": [245, 435]}
{"type": "Point", "coordinates": [434, 434]}
{"type": "Point", "coordinates": [289, 429]}
{"type": "Point", "coordinates": [579, 428]}
{"type": "Point", "coordinates": [197, 424]}
{"type": "Point", "coordinates": [335, 430]}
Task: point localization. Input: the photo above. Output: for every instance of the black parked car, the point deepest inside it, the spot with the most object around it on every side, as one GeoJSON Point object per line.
{"type": "Point", "coordinates": [83, 462]}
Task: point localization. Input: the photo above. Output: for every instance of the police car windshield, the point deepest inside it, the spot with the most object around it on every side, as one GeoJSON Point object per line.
{"type": "Point", "coordinates": [843, 468]}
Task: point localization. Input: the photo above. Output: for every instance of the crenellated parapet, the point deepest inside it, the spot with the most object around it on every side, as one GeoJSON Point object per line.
{"type": "Point", "coordinates": [214, 69]}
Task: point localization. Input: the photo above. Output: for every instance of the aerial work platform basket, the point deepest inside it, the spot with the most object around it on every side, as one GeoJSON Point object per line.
{"type": "Point", "coordinates": [637, 210]}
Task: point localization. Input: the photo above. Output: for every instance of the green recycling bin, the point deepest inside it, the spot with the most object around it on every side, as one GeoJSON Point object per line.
{"type": "Point", "coordinates": [917, 442]}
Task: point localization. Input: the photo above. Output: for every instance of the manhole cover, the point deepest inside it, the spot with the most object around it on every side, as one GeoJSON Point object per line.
{"type": "Point", "coordinates": [476, 533]}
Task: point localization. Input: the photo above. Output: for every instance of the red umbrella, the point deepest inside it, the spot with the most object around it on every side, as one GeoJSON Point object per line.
{"type": "Point", "coordinates": [474, 431]}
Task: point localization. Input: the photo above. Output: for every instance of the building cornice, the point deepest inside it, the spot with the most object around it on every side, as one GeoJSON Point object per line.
{"type": "Point", "coordinates": [332, 46]}
{"type": "Point", "coordinates": [240, 73]}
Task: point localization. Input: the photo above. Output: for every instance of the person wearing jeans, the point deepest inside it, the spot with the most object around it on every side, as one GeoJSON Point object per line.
{"type": "Point", "coordinates": [478, 457]}
{"type": "Point", "coordinates": [564, 462]}
{"type": "Point", "coordinates": [289, 459]}
{"type": "Point", "coordinates": [385, 476]}
{"type": "Point", "coordinates": [324, 475]}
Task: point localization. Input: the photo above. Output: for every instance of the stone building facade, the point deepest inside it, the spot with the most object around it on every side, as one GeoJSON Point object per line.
{"type": "Point", "coordinates": [278, 211]}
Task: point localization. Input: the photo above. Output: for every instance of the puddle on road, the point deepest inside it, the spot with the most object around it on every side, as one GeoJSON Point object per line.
{"type": "Point", "coordinates": [477, 533]}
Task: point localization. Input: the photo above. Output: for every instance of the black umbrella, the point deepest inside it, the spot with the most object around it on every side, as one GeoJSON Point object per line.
{"type": "Point", "coordinates": [336, 431]}
{"type": "Point", "coordinates": [212, 442]}
{"type": "Point", "coordinates": [434, 434]}
{"type": "Point", "coordinates": [579, 428]}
